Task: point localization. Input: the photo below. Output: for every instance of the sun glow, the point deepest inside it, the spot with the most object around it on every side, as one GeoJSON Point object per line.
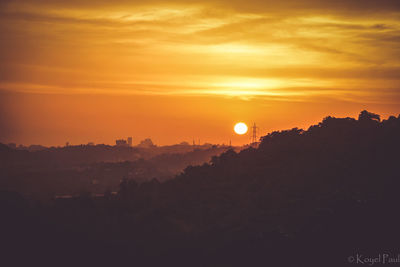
{"type": "Point", "coordinates": [240, 128]}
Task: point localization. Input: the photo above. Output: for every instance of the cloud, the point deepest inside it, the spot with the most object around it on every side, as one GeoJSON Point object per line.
{"type": "Point", "coordinates": [250, 5]}
{"type": "Point", "coordinates": [186, 47]}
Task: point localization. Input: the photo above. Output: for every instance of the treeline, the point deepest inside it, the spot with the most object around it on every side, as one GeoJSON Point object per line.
{"type": "Point", "coordinates": [73, 156]}
{"type": "Point", "coordinates": [46, 174]}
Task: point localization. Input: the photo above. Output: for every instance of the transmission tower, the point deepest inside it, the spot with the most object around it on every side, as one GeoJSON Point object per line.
{"type": "Point", "coordinates": [254, 140]}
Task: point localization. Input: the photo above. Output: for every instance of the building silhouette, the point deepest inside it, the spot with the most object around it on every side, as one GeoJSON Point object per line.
{"type": "Point", "coordinates": [121, 142]}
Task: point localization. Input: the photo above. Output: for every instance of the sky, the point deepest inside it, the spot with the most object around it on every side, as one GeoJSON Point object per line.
{"type": "Point", "coordinates": [96, 71]}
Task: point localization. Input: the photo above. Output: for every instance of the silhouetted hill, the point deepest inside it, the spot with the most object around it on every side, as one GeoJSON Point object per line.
{"type": "Point", "coordinates": [36, 156]}
{"type": "Point", "coordinates": [76, 169]}
{"type": "Point", "coordinates": [302, 198]}
{"type": "Point", "coordinates": [4, 149]}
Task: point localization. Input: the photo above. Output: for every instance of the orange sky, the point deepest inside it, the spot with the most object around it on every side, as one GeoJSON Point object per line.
{"type": "Point", "coordinates": [178, 70]}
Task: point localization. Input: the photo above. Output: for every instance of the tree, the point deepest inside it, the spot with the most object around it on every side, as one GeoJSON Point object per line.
{"type": "Point", "coordinates": [368, 116]}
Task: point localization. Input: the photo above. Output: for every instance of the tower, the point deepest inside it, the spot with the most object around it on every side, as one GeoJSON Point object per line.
{"type": "Point", "coordinates": [254, 140]}
{"type": "Point", "coordinates": [129, 141]}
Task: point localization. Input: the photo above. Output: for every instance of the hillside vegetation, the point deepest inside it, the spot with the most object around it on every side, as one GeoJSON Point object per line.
{"type": "Point", "coordinates": [302, 198]}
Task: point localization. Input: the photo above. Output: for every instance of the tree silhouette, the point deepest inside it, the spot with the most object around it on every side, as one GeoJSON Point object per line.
{"type": "Point", "coordinates": [368, 116]}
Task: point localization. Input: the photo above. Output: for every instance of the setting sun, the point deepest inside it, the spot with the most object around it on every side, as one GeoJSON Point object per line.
{"type": "Point", "coordinates": [240, 128]}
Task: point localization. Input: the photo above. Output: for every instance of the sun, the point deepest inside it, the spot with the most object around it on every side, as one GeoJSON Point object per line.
{"type": "Point", "coordinates": [240, 128]}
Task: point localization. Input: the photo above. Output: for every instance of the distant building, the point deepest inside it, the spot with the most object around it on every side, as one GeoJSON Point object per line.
{"type": "Point", "coordinates": [90, 144]}
{"type": "Point", "coordinates": [146, 143]}
{"type": "Point", "coordinates": [129, 141]}
{"type": "Point", "coordinates": [121, 142]}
